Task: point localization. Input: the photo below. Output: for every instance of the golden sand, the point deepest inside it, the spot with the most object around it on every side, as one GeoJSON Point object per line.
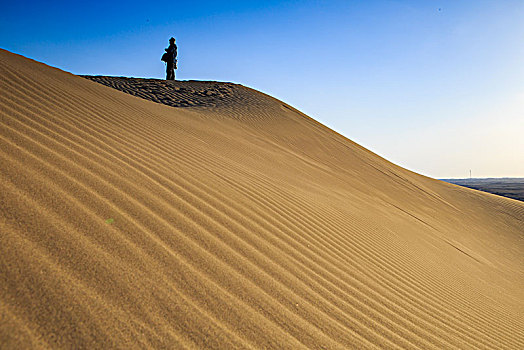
{"type": "Point", "coordinates": [227, 219]}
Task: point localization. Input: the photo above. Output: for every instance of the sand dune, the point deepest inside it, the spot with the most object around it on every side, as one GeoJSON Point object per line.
{"type": "Point", "coordinates": [227, 219]}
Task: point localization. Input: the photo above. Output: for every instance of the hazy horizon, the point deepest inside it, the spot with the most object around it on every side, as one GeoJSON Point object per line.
{"type": "Point", "coordinates": [435, 87]}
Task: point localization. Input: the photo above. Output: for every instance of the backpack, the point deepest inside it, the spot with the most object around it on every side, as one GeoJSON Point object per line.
{"type": "Point", "coordinates": [165, 57]}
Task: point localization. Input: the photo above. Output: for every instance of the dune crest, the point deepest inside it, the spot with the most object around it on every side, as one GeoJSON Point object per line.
{"type": "Point", "coordinates": [230, 221]}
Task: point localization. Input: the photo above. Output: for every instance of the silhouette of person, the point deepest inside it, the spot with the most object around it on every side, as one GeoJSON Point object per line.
{"type": "Point", "coordinates": [170, 55]}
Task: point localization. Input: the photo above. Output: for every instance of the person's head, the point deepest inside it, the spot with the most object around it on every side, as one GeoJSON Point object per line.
{"type": "Point", "coordinates": [172, 40]}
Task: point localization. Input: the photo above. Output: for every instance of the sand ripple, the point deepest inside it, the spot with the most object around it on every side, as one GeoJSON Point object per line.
{"type": "Point", "coordinates": [236, 222]}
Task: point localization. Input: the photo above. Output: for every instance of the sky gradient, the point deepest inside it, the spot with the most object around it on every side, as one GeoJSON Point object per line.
{"type": "Point", "coordinates": [434, 86]}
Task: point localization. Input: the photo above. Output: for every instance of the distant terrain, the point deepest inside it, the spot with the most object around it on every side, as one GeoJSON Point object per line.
{"type": "Point", "coordinates": [506, 187]}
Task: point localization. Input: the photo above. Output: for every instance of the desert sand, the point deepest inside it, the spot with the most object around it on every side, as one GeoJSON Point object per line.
{"type": "Point", "coordinates": [207, 215]}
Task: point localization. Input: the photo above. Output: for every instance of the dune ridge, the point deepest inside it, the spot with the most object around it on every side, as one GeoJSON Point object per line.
{"type": "Point", "coordinates": [232, 220]}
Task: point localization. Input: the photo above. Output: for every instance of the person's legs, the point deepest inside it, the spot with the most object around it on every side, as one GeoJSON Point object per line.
{"type": "Point", "coordinates": [170, 72]}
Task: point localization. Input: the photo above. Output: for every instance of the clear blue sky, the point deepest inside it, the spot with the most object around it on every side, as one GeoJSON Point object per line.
{"type": "Point", "coordinates": [434, 86]}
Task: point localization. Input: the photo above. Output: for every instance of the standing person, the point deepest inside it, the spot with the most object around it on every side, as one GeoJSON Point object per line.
{"type": "Point", "coordinates": [170, 58]}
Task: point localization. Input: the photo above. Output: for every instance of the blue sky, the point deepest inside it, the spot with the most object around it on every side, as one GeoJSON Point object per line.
{"type": "Point", "coordinates": [434, 86]}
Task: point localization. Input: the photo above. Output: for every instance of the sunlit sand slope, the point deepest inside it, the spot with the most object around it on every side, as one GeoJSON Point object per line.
{"type": "Point", "coordinates": [233, 222]}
